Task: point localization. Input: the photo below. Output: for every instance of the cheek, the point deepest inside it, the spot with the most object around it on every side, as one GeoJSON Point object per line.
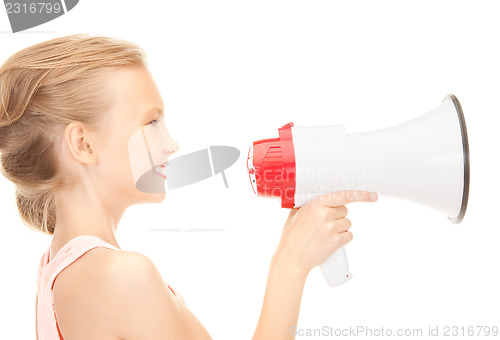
{"type": "Point", "coordinates": [142, 162]}
{"type": "Point", "coordinates": [138, 158]}
{"type": "Point", "coordinates": [155, 145]}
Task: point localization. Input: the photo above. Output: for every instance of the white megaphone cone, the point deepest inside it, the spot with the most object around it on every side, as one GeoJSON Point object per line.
{"type": "Point", "coordinates": [425, 160]}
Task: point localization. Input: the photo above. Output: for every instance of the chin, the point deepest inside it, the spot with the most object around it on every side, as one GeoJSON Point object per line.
{"type": "Point", "coordinates": [157, 198]}
{"type": "Point", "coordinates": [150, 197]}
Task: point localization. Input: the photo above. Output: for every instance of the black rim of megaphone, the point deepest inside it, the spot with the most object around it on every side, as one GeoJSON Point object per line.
{"type": "Point", "coordinates": [465, 147]}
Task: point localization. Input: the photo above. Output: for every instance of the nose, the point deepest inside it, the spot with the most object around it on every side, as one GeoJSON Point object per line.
{"type": "Point", "coordinates": [170, 145]}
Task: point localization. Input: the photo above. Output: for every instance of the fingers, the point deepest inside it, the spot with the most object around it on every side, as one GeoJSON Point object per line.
{"type": "Point", "coordinates": [342, 225]}
{"type": "Point", "coordinates": [337, 212]}
{"type": "Point", "coordinates": [345, 238]}
{"type": "Point", "coordinates": [339, 198]}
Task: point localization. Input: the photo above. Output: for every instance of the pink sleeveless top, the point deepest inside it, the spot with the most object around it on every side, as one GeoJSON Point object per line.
{"type": "Point", "coordinates": [47, 327]}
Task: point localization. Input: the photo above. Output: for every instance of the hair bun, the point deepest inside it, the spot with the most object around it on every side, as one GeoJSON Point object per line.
{"type": "Point", "coordinates": [5, 125]}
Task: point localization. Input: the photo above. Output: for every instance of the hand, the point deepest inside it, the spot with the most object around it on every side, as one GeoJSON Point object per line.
{"type": "Point", "coordinates": [319, 228]}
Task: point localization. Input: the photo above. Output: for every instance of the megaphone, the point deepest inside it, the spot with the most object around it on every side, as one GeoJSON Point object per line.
{"type": "Point", "coordinates": [424, 160]}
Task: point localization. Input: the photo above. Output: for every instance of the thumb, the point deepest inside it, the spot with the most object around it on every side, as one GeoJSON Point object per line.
{"type": "Point", "coordinates": [292, 213]}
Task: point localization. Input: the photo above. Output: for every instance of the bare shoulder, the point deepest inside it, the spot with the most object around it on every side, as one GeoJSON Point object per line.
{"type": "Point", "coordinates": [95, 285]}
{"type": "Point", "coordinates": [119, 295]}
{"type": "Point", "coordinates": [102, 268]}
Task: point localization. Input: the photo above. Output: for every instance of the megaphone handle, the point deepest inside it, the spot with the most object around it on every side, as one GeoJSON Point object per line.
{"type": "Point", "coordinates": [335, 269]}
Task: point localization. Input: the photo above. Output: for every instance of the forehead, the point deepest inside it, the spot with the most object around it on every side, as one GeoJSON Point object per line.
{"type": "Point", "coordinates": [133, 92]}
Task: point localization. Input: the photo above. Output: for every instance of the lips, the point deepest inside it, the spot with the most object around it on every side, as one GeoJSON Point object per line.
{"type": "Point", "coordinates": [160, 170]}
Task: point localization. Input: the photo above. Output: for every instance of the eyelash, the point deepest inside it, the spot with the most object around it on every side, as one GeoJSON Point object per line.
{"type": "Point", "coordinates": [154, 122]}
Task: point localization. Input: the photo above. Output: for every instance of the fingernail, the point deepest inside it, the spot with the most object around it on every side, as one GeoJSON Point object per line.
{"type": "Point", "coordinates": [373, 196]}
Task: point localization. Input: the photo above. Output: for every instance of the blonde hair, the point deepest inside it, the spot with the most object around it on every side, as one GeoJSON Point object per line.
{"type": "Point", "coordinates": [43, 88]}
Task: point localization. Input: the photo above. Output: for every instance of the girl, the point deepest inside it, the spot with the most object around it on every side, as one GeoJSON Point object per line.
{"type": "Point", "coordinates": [69, 109]}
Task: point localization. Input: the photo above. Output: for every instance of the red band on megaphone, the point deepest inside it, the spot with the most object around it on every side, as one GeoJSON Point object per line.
{"type": "Point", "coordinates": [274, 164]}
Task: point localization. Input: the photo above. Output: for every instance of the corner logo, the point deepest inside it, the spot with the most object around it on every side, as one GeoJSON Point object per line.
{"type": "Point", "coordinates": [25, 14]}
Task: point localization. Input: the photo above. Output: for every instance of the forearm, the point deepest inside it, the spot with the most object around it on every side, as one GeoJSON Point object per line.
{"type": "Point", "coordinates": [280, 310]}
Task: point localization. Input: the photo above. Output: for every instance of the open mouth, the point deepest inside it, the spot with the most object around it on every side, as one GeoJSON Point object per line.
{"type": "Point", "coordinates": [160, 170]}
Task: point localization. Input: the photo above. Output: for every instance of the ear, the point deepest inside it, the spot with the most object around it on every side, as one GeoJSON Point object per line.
{"type": "Point", "coordinates": [79, 143]}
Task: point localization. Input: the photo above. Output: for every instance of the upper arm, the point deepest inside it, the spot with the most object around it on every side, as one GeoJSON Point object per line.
{"type": "Point", "coordinates": [142, 305]}
{"type": "Point", "coordinates": [125, 296]}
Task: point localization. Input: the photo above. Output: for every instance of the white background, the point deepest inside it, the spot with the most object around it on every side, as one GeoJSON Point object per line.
{"type": "Point", "coordinates": [232, 72]}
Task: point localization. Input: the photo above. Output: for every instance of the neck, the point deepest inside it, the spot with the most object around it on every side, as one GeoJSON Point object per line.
{"type": "Point", "coordinates": [81, 211]}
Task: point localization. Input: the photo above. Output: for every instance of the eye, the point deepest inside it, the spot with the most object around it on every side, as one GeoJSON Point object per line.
{"type": "Point", "coordinates": [154, 122]}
